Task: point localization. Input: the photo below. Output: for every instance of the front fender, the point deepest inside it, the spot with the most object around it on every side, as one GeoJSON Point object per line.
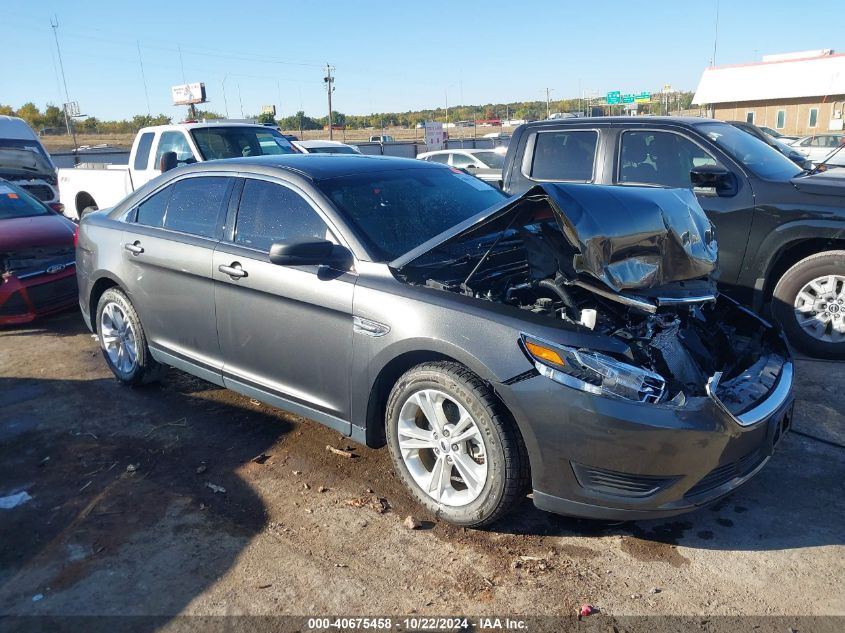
{"type": "Point", "coordinates": [785, 235]}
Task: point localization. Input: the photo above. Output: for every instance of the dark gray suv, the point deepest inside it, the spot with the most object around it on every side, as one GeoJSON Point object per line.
{"type": "Point", "coordinates": [570, 339]}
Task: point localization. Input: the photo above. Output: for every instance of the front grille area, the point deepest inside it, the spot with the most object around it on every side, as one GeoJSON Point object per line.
{"type": "Point", "coordinates": [42, 192]}
{"type": "Point", "coordinates": [611, 482]}
{"type": "Point", "coordinates": [36, 261]}
{"type": "Point", "coordinates": [13, 306]}
{"type": "Point", "coordinates": [46, 296]}
{"type": "Point", "coordinates": [721, 475]}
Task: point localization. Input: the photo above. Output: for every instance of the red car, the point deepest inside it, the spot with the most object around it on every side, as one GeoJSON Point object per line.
{"type": "Point", "coordinates": [37, 258]}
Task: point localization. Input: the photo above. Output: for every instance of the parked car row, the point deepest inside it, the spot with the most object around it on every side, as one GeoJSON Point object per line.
{"type": "Point", "coordinates": [546, 333]}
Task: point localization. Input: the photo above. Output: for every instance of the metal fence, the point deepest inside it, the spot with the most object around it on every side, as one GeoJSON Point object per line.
{"type": "Point", "coordinates": [401, 149]}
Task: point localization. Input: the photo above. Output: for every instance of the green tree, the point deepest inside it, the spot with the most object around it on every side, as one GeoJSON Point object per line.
{"type": "Point", "coordinates": [31, 114]}
{"type": "Point", "coordinates": [53, 116]}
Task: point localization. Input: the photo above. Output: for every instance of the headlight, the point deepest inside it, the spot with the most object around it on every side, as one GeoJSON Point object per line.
{"type": "Point", "coordinates": [594, 372]}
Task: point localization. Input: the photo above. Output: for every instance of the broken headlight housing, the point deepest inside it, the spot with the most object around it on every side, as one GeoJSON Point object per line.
{"type": "Point", "coordinates": [593, 372]}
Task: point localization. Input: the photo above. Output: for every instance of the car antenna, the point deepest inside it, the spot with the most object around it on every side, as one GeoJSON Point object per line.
{"type": "Point", "coordinates": [818, 167]}
{"type": "Point", "coordinates": [489, 250]}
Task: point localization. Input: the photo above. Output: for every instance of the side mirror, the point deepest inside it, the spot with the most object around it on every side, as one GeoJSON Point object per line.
{"type": "Point", "coordinates": [714, 177]}
{"type": "Point", "coordinates": [310, 252]}
{"type": "Point", "coordinates": [471, 167]}
{"type": "Point", "coordinates": [168, 161]}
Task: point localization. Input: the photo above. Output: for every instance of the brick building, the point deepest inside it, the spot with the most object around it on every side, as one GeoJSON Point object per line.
{"type": "Point", "coordinates": [795, 93]}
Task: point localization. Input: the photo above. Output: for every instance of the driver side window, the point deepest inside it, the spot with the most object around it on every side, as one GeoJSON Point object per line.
{"type": "Point", "coordinates": [174, 142]}
{"type": "Point", "coordinates": [659, 158]}
{"type": "Point", "coordinates": [268, 212]}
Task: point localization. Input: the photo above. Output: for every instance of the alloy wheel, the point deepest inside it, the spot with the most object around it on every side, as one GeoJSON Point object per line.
{"type": "Point", "coordinates": [117, 337]}
{"type": "Point", "coordinates": [820, 308]}
{"type": "Point", "coordinates": [442, 447]}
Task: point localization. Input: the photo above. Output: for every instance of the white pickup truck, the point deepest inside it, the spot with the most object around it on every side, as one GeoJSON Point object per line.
{"type": "Point", "coordinates": [92, 186]}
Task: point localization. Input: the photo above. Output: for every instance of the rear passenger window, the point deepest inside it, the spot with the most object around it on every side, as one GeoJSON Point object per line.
{"type": "Point", "coordinates": [142, 154]}
{"type": "Point", "coordinates": [270, 212]}
{"type": "Point", "coordinates": [660, 158]}
{"type": "Point", "coordinates": [196, 205]}
{"type": "Point", "coordinates": [564, 155]}
{"type": "Point", "coordinates": [151, 211]}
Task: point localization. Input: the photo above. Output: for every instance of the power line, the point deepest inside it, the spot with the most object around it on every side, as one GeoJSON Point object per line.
{"type": "Point", "coordinates": [144, 78]}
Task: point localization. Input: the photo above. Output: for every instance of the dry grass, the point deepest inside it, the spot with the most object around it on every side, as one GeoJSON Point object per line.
{"type": "Point", "coordinates": [124, 141]}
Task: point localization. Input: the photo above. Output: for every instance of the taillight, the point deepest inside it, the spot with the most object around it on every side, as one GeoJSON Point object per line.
{"type": "Point", "coordinates": [76, 236]}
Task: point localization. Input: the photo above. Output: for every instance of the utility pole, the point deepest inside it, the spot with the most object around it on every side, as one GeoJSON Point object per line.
{"type": "Point", "coordinates": [548, 104]}
{"type": "Point", "coordinates": [54, 22]}
{"type": "Point", "coordinates": [329, 89]}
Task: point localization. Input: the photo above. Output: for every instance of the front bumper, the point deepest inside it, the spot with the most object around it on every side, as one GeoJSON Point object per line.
{"type": "Point", "coordinates": [603, 458]}
{"type": "Point", "coordinates": [24, 300]}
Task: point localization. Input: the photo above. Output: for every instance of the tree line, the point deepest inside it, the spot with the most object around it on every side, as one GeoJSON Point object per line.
{"type": "Point", "coordinates": [53, 118]}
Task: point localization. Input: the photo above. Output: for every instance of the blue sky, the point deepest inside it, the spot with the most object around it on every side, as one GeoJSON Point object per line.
{"type": "Point", "coordinates": [387, 57]}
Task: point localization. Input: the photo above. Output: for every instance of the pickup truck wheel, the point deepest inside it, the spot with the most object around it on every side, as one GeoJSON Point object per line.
{"type": "Point", "coordinates": [123, 342]}
{"type": "Point", "coordinates": [809, 303]}
{"type": "Point", "coordinates": [454, 446]}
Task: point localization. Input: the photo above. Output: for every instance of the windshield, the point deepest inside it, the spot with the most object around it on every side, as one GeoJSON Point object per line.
{"type": "Point", "coordinates": [238, 142]}
{"type": "Point", "coordinates": [396, 211]}
{"type": "Point", "coordinates": [30, 146]}
{"type": "Point", "coordinates": [493, 160]}
{"type": "Point", "coordinates": [14, 203]}
{"type": "Point", "coordinates": [335, 149]}
{"type": "Point", "coordinates": [764, 160]}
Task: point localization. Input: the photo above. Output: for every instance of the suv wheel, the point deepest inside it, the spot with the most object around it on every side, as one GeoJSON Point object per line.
{"type": "Point", "coordinates": [123, 341]}
{"type": "Point", "coordinates": [809, 303]}
{"type": "Point", "coordinates": [454, 445]}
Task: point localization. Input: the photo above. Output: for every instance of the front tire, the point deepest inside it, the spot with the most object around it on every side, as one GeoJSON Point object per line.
{"type": "Point", "coordinates": [455, 447]}
{"type": "Point", "coordinates": [809, 303]}
{"type": "Point", "coordinates": [123, 341]}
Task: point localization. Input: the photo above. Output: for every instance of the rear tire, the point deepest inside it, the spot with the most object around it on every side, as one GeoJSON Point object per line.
{"type": "Point", "coordinates": [470, 466]}
{"type": "Point", "coordinates": [809, 304]}
{"type": "Point", "coordinates": [123, 341]}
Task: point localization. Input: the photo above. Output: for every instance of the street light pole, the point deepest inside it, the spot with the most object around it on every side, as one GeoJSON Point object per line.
{"type": "Point", "coordinates": [329, 89]}
{"type": "Point", "coordinates": [54, 22]}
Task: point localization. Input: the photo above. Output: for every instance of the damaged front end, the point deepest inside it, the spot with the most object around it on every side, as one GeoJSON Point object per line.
{"type": "Point", "coordinates": [634, 265]}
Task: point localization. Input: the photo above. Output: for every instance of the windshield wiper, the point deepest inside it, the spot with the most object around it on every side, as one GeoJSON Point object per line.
{"type": "Point", "coordinates": [818, 167]}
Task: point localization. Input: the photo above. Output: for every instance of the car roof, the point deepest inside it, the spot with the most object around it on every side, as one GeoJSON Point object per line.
{"type": "Point", "coordinates": [15, 128]}
{"type": "Point", "coordinates": [627, 120]}
{"type": "Point", "coordinates": [311, 166]}
{"type": "Point", "coordinates": [206, 124]}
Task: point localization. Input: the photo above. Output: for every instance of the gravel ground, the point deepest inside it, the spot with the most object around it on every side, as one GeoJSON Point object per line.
{"type": "Point", "coordinates": [129, 515]}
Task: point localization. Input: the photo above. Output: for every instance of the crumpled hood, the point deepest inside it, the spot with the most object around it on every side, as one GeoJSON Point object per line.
{"type": "Point", "coordinates": [22, 160]}
{"type": "Point", "coordinates": [627, 237]}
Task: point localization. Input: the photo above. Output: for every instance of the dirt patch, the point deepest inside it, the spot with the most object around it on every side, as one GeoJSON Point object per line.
{"type": "Point", "coordinates": [123, 521]}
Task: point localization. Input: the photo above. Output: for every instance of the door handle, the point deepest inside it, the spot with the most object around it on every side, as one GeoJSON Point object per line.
{"type": "Point", "coordinates": [234, 271]}
{"type": "Point", "coordinates": [135, 248]}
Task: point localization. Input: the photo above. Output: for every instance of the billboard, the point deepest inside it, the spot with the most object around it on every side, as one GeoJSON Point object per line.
{"type": "Point", "coordinates": [188, 94]}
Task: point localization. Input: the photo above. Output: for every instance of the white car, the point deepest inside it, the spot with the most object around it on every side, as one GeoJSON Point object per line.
{"type": "Point", "coordinates": [25, 163]}
{"type": "Point", "coordinates": [818, 146]}
{"type": "Point", "coordinates": [157, 149]}
{"type": "Point", "coordinates": [325, 147]}
{"type": "Point", "coordinates": [485, 164]}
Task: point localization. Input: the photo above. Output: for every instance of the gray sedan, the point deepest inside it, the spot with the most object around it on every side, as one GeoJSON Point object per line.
{"type": "Point", "coordinates": [569, 341]}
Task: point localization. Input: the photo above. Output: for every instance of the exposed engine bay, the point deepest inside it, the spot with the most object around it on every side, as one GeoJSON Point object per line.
{"type": "Point", "coordinates": [647, 279]}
